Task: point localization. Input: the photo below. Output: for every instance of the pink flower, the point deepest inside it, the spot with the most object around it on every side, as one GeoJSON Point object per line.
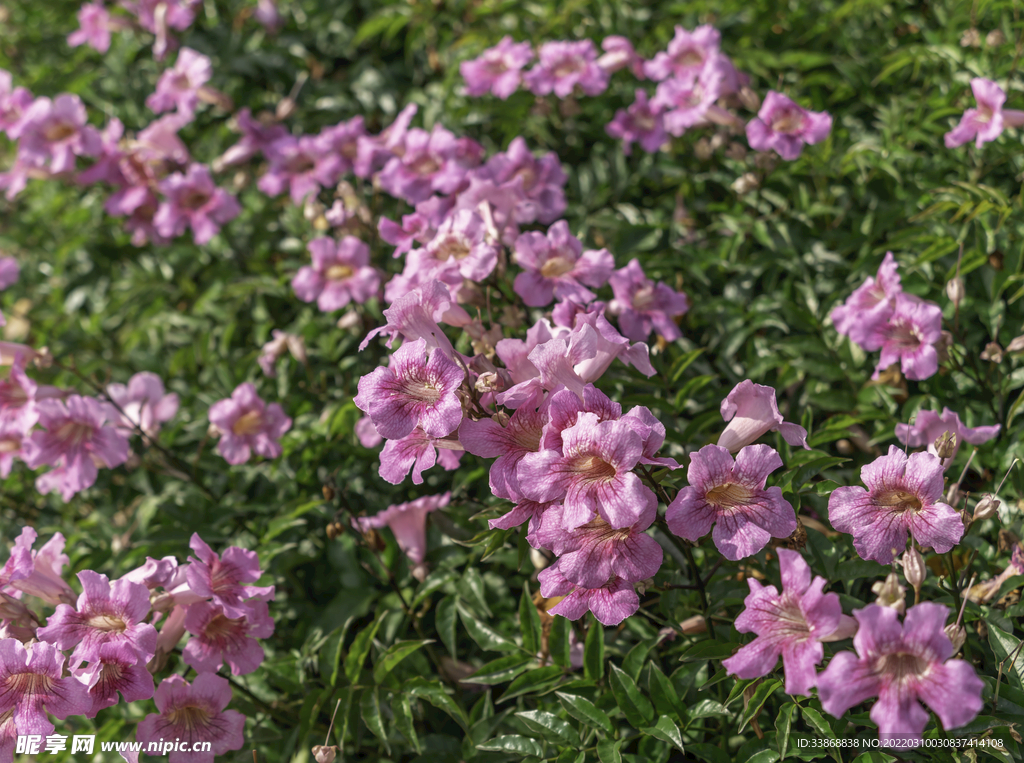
{"type": "Point", "coordinates": [247, 424]}
{"type": "Point", "coordinates": [592, 474]}
{"type": "Point", "coordinates": [94, 21]}
{"type": "Point", "coordinates": [14, 102]}
{"type": "Point", "coordinates": [611, 603]}
{"type": "Point", "coordinates": [563, 66]}
{"type": "Point", "coordinates": [408, 521]}
{"type": "Point", "coordinates": [54, 132]}
{"type": "Point", "coordinates": [268, 15]}
{"type": "Point", "coordinates": [687, 54]}
{"type": "Point", "coordinates": [76, 436]}
{"type": "Point", "coordinates": [792, 624]}
{"type": "Point", "coordinates": [340, 274]}
{"type": "Point", "coordinates": [987, 122]}
{"type": "Point", "coordinates": [34, 685]}
{"type": "Point", "coordinates": [732, 497]}
{"type": "Point", "coordinates": [418, 391]}
{"type": "Point", "coordinates": [461, 249]}
{"type": "Point", "coordinates": [903, 496]}
{"type": "Point", "coordinates": [564, 408]}
{"type": "Point", "coordinates": [644, 306]}
{"type": "Point", "coordinates": [158, 16]}
{"type": "Point", "coordinates": [909, 337]}
{"type": "Point", "coordinates": [257, 136]}
{"type": "Point", "coordinates": [9, 272]}
{"type": "Point", "coordinates": [220, 577]}
{"type": "Point", "coordinates": [217, 638]}
{"type": "Point", "coordinates": [417, 451]}
{"type": "Point", "coordinates": [105, 614]}
{"type": "Point", "coordinates": [902, 665]}
{"type": "Point", "coordinates": [592, 554]}
{"type": "Point", "coordinates": [928, 426]}
{"type": "Point", "coordinates": [525, 510]}
{"type": "Point", "coordinates": [871, 305]}
{"type": "Point", "coordinates": [194, 201]}
{"type": "Point", "coordinates": [18, 398]}
{"type": "Point", "coordinates": [39, 573]}
{"type": "Point", "coordinates": [178, 88]}
{"type": "Point", "coordinates": [416, 316]}
{"type": "Point", "coordinates": [751, 411]}
{"type": "Point", "coordinates": [556, 265]}
{"type": "Point", "coordinates": [498, 70]}
{"type": "Point", "coordinates": [689, 102]}
{"type": "Point", "coordinates": [784, 126]}
{"type": "Point", "coordinates": [143, 403]}
{"type": "Point", "coordinates": [641, 123]}
{"type": "Point", "coordinates": [538, 183]}
{"type": "Point", "coordinates": [619, 54]}
{"type": "Point", "coordinates": [117, 668]}
{"type": "Point", "coordinates": [302, 165]}
{"type": "Point", "coordinates": [430, 162]}
{"type": "Point", "coordinates": [194, 713]}
{"type": "Point", "coordinates": [488, 439]}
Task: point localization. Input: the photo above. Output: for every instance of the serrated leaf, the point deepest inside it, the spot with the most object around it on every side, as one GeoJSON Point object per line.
{"type": "Point", "coordinates": [513, 743]}
{"type": "Point", "coordinates": [585, 711]}
{"type": "Point", "coordinates": [761, 694]}
{"type": "Point", "coordinates": [445, 615]}
{"type": "Point", "coordinates": [360, 648]}
{"type": "Point", "coordinates": [394, 655]}
{"type": "Point", "coordinates": [783, 725]}
{"type": "Point", "coordinates": [667, 731]}
{"type": "Point", "coordinates": [634, 705]}
{"type": "Point", "coordinates": [369, 709]}
{"type": "Point", "coordinates": [500, 670]}
{"type": "Point", "coordinates": [549, 726]}
{"type": "Point", "coordinates": [484, 635]}
{"type": "Point", "coordinates": [593, 651]}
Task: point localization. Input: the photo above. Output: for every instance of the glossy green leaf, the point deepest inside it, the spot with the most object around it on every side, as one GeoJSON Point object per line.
{"type": "Point", "coordinates": [549, 726]}
{"type": "Point", "coordinates": [634, 705]}
{"type": "Point", "coordinates": [394, 655]}
{"type": "Point", "coordinates": [585, 711]}
{"type": "Point", "coordinates": [513, 743]}
{"type": "Point", "coordinates": [667, 731]}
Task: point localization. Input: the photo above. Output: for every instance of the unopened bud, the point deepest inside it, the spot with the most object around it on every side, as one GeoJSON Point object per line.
{"type": "Point", "coordinates": [420, 571]}
{"type": "Point", "coordinates": [953, 495]}
{"type": "Point", "coordinates": [328, 493]}
{"type": "Point", "coordinates": [955, 290]}
{"type": "Point", "coordinates": [1017, 345]}
{"type": "Point", "coordinates": [350, 320]}
{"type": "Point", "coordinates": [745, 183]}
{"type": "Point", "coordinates": [992, 352]}
{"type": "Point", "coordinates": [957, 635]}
{"type": "Point", "coordinates": [971, 38]}
{"type": "Point", "coordinates": [501, 419]}
{"type": "Point", "coordinates": [913, 568]}
{"type": "Point", "coordinates": [324, 754]}
{"type": "Point", "coordinates": [995, 38]}
{"type": "Point", "coordinates": [986, 507]}
{"type": "Point", "coordinates": [890, 593]}
{"type": "Point", "coordinates": [285, 108]}
{"type": "Point", "coordinates": [335, 530]}
{"type": "Point", "coordinates": [945, 445]}
{"type": "Point", "coordinates": [749, 98]}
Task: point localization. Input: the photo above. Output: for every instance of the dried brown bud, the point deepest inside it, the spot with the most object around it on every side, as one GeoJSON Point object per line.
{"type": "Point", "coordinates": [325, 754]}
{"type": "Point", "coordinates": [945, 445]}
{"type": "Point", "coordinates": [986, 507]}
{"type": "Point", "coordinates": [995, 38]}
{"type": "Point", "coordinates": [745, 183]}
{"type": "Point", "coordinates": [1015, 346]}
{"type": "Point", "coordinates": [992, 352]}
{"type": "Point", "coordinates": [335, 530]}
{"type": "Point", "coordinates": [955, 290]}
{"type": "Point", "coordinates": [971, 38]}
{"type": "Point", "coordinates": [328, 493]}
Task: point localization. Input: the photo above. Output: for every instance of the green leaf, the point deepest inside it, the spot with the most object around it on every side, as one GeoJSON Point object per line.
{"type": "Point", "coordinates": [1003, 645]}
{"type": "Point", "coordinates": [813, 717]}
{"type": "Point", "coordinates": [444, 622]}
{"type": "Point", "coordinates": [764, 690]}
{"type": "Point", "coordinates": [634, 705]}
{"type": "Point", "coordinates": [361, 648]}
{"type": "Point", "coordinates": [471, 588]}
{"type": "Point", "coordinates": [877, 756]}
{"type": "Point", "coordinates": [707, 708]}
{"type": "Point", "coordinates": [783, 724]}
{"type": "Point", "coordinates": [593, 651]}
{"type": "Point", "coordinates": [529, 622]}
{"type": "Point", "coordinates": [667, 731]}
{"type": "Point", "coordinates": [558, 641]}
{"type": "Point", "coordinates": [608, 751]}
{"type": "Point", "coordinates": [513, 743]}
{"type": "Point", "coordinates": [585, 711]}
{"type": "Point", "coordinates": [500, 670]}
{"type": "Point", "coordinates": [550, 726]}
{"type": "Point", "coordinates": [434, 693]}
{"type": "Point", "coordinates": [682, 363]}
{"type": "Point", "coordinates": [404, 721]}
{"type": "Point", "coordinates": [764, 756]}
{"type": "Point", "coordinates": [394, 655]}
{"type": "Point", "coordinates": [331, 653]}
{"type": "Point", "coordinates": [708, 650]}
{"type": "Point", "coordinates": [484, 635]}
{"type": "Point", "coordinates": [663, 693]}
{"type": "Point", "coordinates": [369, 709]}
{"type": "Point", "coordinates": [634, 661]}
{"type": "Point", "coordinates": [436, 580]}
{"type": "Point", "coordinates": [535, 681]}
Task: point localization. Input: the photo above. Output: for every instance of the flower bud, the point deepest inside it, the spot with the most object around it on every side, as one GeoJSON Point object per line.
{"type": "Point", "coordinates": [971, 38]}
{"type": "Point", "coordinates": [1015, 346]}
{"type": "Point", "coordinates": [986, 507]}
{"type": "Point", "coordinates": [745, 183]}
{"type": "Point", "coordinates": [992, 352]}
{"type": "Point", "coordinates": [995, 38]}
{"type": "Point", "coordinates": [955, 290]}
{"type": "Point", "coordinates": [891, 593]}
{"type": "Point", "coordinates": [945, 445]}
{"type": "Point", "coordinates": [749, 98]}
{"type": "Point", "coordinates": [957, 635]}
{"type": "Point", "coordinates": [285, 108]}
{"type": "Point", "coordinates": [913, 568]}
{"type": "Point", "coordinates": [324, 754]}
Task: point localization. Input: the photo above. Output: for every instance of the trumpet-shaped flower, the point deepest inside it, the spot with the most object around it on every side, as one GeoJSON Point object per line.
{"type": "Point", "coordinates": [556, 265]}
{"type": "Point", "coordinates": [193, 200]}
{"type": "Point", "coordinates": [564, 65]}
{"type": "Point", "coordinates": [178, 87]}
{"type": "Point", "coordinates": [418, 391]}
{"type": "Point", "coordinates": [498, 70]}
{"type": "Point", "coordinates": [408, 521]}
{"type": "Point", "coordinates": [340, 274]}
{"type": "Point", "coordinates": [217, 638]}
{"type": "Point", "coordinates": [871, 305]}
{"type": "Point", "coordinates": [34, 684]}
{"type": "Point", "coordinates": [643, 306]}
{"type": "Point", "coordinates": [986, 122]}
{"type": "Point", "coordinates": [791, 624]}
{"type": "Point", "coordinates": [143, 403]}
{"type": "Point", "coordinates": [751, 411]}
{"type": "Point", "coordinates": [417, 451]}
{"type": "Point", "coordinates": [643, 123]}
{"type": "Point", "coordinates": [508, 444]}
{"type": "Point", "coordinates": [94, 28]}
{"type": "Point", "coordinates": [220, 577]}
{"type": "Point", "coordinates": [611, 603]}
{"type": "Point", "coordinates": [903, 665]}
{"type": "Point", "coordinates": [247, 424]}
{"type": "Point", "coordinates": [784, 126]}
{"type": "Point", "coordinates": [903, 497]}
{"type": "Point", "coordinates": [116, 668]}
{"type": "Point", "coordinates": [732, 497]}
{"type": "Point", "coordinates": [688, 52]}
{"type": "Point", "coordinates": [909, 337]}
{"type": "Point", "coordinates": [928, 426]}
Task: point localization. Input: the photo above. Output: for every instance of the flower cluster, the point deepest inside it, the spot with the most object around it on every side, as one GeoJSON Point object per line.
{"type": "Point", "coordinates": [108, 638]}
{"type": "Point", "coordinates": [879, 315]}
{"type": "Point", "coordinates": [698, 86]}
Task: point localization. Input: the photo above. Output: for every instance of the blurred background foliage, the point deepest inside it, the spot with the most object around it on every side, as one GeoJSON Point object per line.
{"type": "Point", "coordinates": [763, 264]}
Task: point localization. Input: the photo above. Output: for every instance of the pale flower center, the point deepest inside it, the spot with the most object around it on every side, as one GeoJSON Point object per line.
{"type": "Point", "coordinates": [248, 424]}
{"type": "Point", "coordinates": [789, 121]}
{"type": "Point", "coordinates": [899, 501]}
{"type": "Point", "coordinates": [454, 247]}
{"type": "Point", "coordinates": [644, 122]}
{"type": "Point", "coordinates": [107, 623]}
{"type": "Point", "coordinates": [903, 334]}
{"type": "Point", "coordinates": [556, 266]}
{"type": "Point", "coordinates": [422, 390]}
{"type": "Point", "coordinates": [901, 665]}
{"type": "Point", "coordinates": [690, 57]}
{"type": "Point", "coordinates": [72, 434]}
{"type": "Point", "coordinates": [57, 131]}
{"type": "Point", "coordinates": [643, 299]}
{"type": "Point", "coordinates": [594, 469]}
{"type": "Point", "coordinates": [729, 496]}
{"type": "Point", "coordinates": [338, 272]}
{"type": "Point", "coordinates": [425, 165]}
{"type": "Point", "coordinates": [568, 67]}
{"type": "Point", "coordinates": [10, 445]}
{"type": "Point", "coordinates": [984, 114]}
{"type": "Point", "coordinates": [189, 719]}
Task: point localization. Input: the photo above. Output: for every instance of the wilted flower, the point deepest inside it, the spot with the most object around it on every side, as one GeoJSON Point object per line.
{"type": "Point", "coordinates": [992, 353]}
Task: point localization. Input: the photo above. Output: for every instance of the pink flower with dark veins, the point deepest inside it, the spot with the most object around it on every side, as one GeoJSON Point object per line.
{"type": "Point", "coordinates": [555, 265]}
{"type": "Point", "coordinates": [784, 126]}
{"type": "Point", "coordinates": [611, 603]}
{"type": "Point", "coordinates": [217, 638]}
{"type": "Point", "coordinates": [34, 684]}
{"type": "Point", "coordinates": [416, 315]}
{"type": "Point", "coordinates": [909, 337]}
{"type": "Point", "coordinates": [220, 577]}
{"type": "Point", "coordinates": [904, 496]}
{"type": "Point", "coordinates": [687, 53]}
{"type": "Point", "coordinates": [751, 411]}
{"type": "Point", "coordinates": [903, 665]}
{"type": "Point", "coordinates": [53, 133]}
{"type": "Point", "coordinates": [497, 70]}
{"type": "Point", "coordinates": [871, 304]}
{"type": "Point", "coordinates": [193, 200]}
{"type": "Point", "coordinates": [116, 669]}
{"type": "Point", "coordinates": [341, 273]}
{"type": "Point", "coordinates": [430, 162]}
{"type": "Point", "coordinates": [194, 713]}
{"type": "Point", "coordinates": [731, 496]}
{"type": "Point", "coordinates": [928, 426]}
{"type": "Point", "coordinates": [986, 122]}
{"type": "Point", "coordinates": [417, 451]}
{"type": "Point", "coordinates": [302, 165]}
{"type": "Point", "coordinates": [419, 390]}
{"type": "Point", "coordinates": [791, 624]}
{"type": "Point", "coordinates": [246, 424]}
